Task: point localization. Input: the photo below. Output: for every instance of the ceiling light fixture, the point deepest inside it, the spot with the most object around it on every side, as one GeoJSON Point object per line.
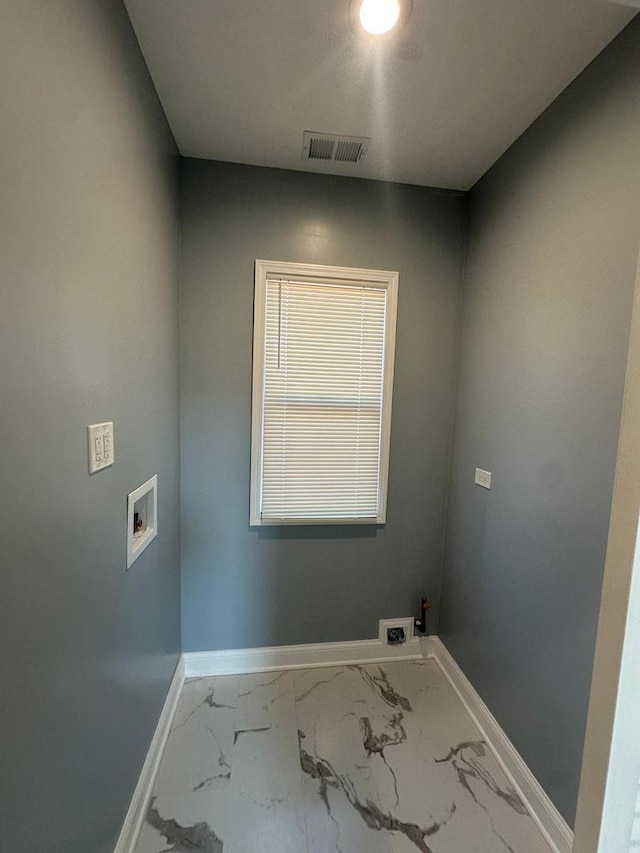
{"type": "Point", "coordinates": [379, 16]}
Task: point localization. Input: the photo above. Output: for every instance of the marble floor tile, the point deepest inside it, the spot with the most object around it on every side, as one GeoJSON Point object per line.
{"type": "Point", "coordinates": [266, 810]}
{"type": "Point", "coordinates": [349, 759]}
{"type": "Point", "coordinates": [192, 786]}
{"type": "Point", "coordinates": [197, 754]}
{"type": "Point", "coordinates": [179, 823]}
{"type": "Point", "coordinates": [337, 785]}
{"type": "Point", "coordinates": [398, 765]}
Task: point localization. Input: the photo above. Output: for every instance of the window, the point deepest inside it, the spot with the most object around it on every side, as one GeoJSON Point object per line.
{"type": "Point", "coordinates": [323, 348]}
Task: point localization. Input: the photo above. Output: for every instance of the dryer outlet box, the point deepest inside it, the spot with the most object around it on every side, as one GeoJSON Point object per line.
{"type": "Point", "coordinates": [395, 632]}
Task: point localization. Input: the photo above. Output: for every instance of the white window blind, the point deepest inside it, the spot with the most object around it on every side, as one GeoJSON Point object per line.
{"type": "Point", "coordinates": [323, 430]}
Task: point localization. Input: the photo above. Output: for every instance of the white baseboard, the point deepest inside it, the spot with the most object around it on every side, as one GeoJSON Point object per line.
{"type": "Point", "coordinates": [142, 794]}
{"type": "Point", "coordinates": [548, 819]}
{"type": "Point", "coordinates": [309, 656]}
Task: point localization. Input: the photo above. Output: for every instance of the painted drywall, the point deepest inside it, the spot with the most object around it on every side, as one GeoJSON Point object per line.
{"type": "Point", "coordinates": [88, 332]}
{"type": "Point", "coordinates": [554, 233]}
{"type": "Point", "coordinates": [247, 587]}
{"type": "Point", "coordinates": [616, 667]}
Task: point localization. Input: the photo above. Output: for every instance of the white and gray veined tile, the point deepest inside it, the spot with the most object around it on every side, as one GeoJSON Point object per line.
{"type": "Point", "coordinates": [181, 822]}
{"type": "Point", "coordinates": [189, 806]}
{"type": "Point", "coordinates": [351, 720]}
{"type": "Point", "coordinates": [266, 811]}
{"type": "Point", "coordinates": [411, 716]}
{"type": "Point", "coordinates": [378, 758]}
{"type": "Point", "coordinates": [198, 751]}
{"type": "Point", "coordinates": [338, 786]}
{"type": "Point", "coordinates": [394, 763]}
{"type": "Point", "coordinates": [444, 766]}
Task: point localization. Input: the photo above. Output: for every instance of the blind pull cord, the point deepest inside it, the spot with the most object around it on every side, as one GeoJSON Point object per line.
{"type": "Point", "coordinates": [279, 321]}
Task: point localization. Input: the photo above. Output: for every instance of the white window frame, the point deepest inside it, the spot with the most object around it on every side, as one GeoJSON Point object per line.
{"type": "Point", "coordinates": [385, 279]}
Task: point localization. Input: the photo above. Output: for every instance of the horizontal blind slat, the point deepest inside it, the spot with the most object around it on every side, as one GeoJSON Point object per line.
{"type": "Point", "coordinates": [322, 402]}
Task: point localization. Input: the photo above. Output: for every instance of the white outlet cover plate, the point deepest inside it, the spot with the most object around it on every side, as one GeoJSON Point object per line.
{"type": "Point", "coordinates": [483, 478]}
{"type": "Point", "coordinates": [405, 622]}
{"type": "Point", "coordinates": [100, 445]}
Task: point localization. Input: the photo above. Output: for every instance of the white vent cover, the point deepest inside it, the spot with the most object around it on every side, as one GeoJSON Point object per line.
{"type": "Point", "coordinates": [329, 148]}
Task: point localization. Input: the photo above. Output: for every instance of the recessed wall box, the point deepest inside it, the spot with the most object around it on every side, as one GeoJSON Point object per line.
{"type": "Point", "coordinates": [395, 632]}
{"type": "Point", "coordinates": [142, 518]}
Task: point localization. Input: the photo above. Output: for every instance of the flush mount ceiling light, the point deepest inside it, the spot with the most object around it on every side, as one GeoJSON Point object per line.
{"type": "Point", "coordinates": [379, 16]}
{"type": "Point", "coordinates": [379, 19]}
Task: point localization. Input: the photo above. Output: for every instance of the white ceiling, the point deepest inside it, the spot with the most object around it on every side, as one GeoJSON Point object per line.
{"type": "Point", "coordinates": [241, 80]}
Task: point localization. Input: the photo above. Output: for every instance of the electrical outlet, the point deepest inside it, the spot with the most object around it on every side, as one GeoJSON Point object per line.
{"type": "Point", "coordinates": [395, 632]}
{"type": "Point", "coordinates": [396, 636]}
{"type": "Point", "coordinates": [483, 478]}
{"type": "Point", "coordinates": [101, 446]}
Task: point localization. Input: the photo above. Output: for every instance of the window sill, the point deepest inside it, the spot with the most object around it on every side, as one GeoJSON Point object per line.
{"type": "Point", "coordinates": [281, 522]}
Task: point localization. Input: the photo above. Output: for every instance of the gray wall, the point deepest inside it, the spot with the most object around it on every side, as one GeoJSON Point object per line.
{"type": "Point", "coordinates": [554, 233]}
{"type": "Point", "coordinates": [247, 587]}
{"type": "Point", "coordinates": [88, 332]}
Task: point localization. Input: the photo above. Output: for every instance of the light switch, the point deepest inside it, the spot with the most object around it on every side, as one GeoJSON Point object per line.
{"type": "Point", "coordinates": [101, 446]}
{"type": "Point", "coordinates": [483, 478]}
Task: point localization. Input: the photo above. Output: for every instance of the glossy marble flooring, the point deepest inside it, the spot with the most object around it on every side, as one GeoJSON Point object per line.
{"type": "Point", "coordinates": [351, 759]}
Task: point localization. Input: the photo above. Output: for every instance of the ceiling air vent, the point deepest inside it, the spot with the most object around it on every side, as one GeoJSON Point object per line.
{"type": "Point", "coordinates": [329, 148]}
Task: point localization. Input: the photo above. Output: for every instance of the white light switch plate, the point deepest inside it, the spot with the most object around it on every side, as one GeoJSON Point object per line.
{"type": "Point", "coordinates": [483, 478]}
{"type": "Point", "coordinates": [101, 446]}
